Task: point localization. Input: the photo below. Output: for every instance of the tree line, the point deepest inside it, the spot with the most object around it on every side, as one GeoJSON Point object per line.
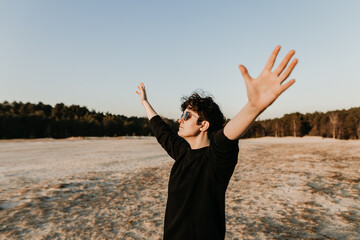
{"type": "Point", "coordinates": [28, 120]}
{"type": "Point", "coordinates": [339, 124]}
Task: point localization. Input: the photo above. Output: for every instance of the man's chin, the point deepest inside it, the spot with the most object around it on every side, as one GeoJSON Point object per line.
{"type": "Point", "coordinates": [179, 133]}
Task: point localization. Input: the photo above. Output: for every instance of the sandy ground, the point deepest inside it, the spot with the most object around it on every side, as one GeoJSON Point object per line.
{"type": "Point", "coordinates": [106, 188]}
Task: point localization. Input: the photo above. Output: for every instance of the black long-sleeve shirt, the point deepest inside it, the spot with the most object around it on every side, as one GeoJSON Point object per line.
{"type": "Point", "coordinates": [195, 207]}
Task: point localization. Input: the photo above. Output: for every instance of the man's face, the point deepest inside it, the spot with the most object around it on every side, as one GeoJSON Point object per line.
{"type": "Point", "coordinates": [189, 127]}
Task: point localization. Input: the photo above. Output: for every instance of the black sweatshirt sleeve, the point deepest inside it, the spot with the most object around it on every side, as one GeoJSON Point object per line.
{"type": "Point", "coordinates": [224, 153]}
{"type": "Point", "coordinates": [168, 139]}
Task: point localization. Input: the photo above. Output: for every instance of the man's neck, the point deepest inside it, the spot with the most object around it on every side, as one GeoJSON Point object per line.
{"type": "Point", "coordinates": [198, 141]}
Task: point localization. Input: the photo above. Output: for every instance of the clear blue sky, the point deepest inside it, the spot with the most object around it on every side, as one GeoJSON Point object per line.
{"type": "Point", "coordinates": [94, 53]}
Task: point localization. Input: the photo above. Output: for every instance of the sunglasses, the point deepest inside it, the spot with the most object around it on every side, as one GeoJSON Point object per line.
{"type": "Point", "coordinates": [187, 115]}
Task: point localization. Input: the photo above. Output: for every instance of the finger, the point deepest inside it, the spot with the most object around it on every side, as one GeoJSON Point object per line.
{"type": "Point", "coordinates": [286, 85]}
{"type": "Point", "coordinates": [139, 88]}
{"type": "Point", "coordinates": [244, 73]}
{"type": "Point", "coordinates": [288, 70]}
{"type": "Point", "coordinates": [138, 93]}
{"type": "Point", "coordinates": [272, 58]}
{"type": "Point", "coordinates": [284, 62]}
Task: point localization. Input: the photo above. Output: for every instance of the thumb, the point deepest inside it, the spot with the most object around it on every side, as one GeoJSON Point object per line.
{"type": "Point", "coordinates": [244, 73]}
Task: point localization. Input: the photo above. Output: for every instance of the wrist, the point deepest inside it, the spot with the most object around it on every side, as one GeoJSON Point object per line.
{"type": "Point", "coordinates": [253, 109]}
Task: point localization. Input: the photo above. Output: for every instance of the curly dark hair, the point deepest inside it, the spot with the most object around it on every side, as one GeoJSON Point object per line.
{"type": "Point", "coordinates": [208, 110]}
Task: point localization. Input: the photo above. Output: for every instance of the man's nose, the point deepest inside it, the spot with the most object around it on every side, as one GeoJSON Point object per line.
{"type": "Point", "coordinates": [181, 120]}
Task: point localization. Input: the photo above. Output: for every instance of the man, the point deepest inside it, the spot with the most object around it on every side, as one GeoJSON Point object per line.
{"type": "Point", "coordinates": [205, 152]}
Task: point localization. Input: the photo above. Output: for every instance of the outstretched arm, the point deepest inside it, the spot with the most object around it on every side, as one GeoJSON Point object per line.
{"type": "Point", "coordinates": [262, 92]}
{"type": "Point", "coordinates": [150, 112]}
{"type": "Point", "coordinates": [167, 137]}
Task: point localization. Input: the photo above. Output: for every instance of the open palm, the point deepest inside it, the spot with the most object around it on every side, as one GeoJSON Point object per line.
{"type": "Point", "coordinates": [267, 87]}
{"type": "Point", "coordinates": [142, 92]}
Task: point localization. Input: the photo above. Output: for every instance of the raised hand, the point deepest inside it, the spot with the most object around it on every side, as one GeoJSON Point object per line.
{"type": "Point", "coordinates": [267, 87]}
{"type": "Point", "coordinates": [150, 112]}
{"type": "Point", "coordinates": [142, 92]}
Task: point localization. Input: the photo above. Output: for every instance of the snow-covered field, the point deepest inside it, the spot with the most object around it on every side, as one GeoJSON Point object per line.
{"type": "Point", "coordinates": [115, 188]}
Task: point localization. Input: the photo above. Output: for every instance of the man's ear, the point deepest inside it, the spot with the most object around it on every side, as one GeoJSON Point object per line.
{"type": "Point", "coordinates": [204, 126]}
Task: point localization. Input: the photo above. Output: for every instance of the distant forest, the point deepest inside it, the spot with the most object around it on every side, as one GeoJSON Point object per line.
{"type": "Point", "coordinates": [28, 120]}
